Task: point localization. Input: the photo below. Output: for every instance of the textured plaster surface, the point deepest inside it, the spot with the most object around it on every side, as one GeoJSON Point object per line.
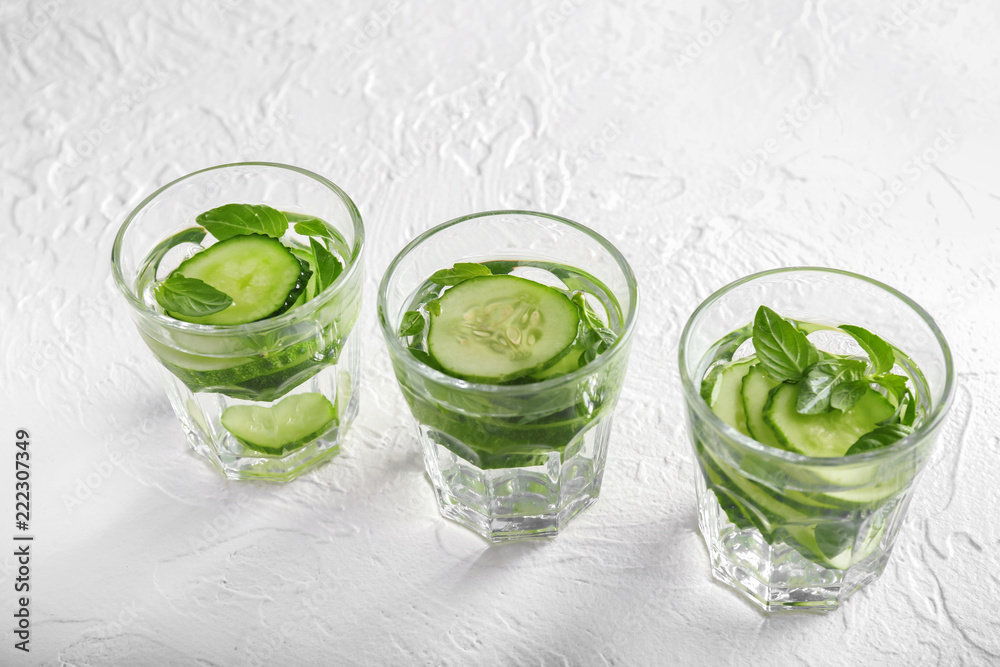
{"type": "Point", "coordinates": [707, 140]}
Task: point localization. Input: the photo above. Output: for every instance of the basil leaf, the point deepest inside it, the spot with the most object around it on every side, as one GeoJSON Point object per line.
{"type": "Point", "coordinates": [591, 321]}
{"type": "Point", "coordinates": [327, 265]}
{"type": "Point", "coordinates": [894, 384]}
{"type": "Point", "coordinates": [883, 436]}
{"type": "Point", "coordinates": [309, 226]}
{"type": "Point", "coordinates": [190, 297]}
{"type": "Point", "coordinates": [426, 360]}
{"type": "Point", "coordinates": [906, 411]}
{"type": "Point", "coordinates": [834, 538]}
{"type": "Point", "coordinates": [240, 219]}
{"type": "Point", "coordinates": [501, 267]}
{"type": "Point", "coordinates": [899, 412]}
{"type": "Point", "coordinates": [784, 351]}
{"type": "Point", "coordinates": [413, 323]}
{"type": "Point", "coordinates": [459, 273]}
{"type": "Point", "coordinates": [816, 388]}
{"type": "Point", "coordinates": [845, 396]}
{"type": "Point", "coordinates": [879, 352]}
{"type": "Point", "coordinates": [909, 414]}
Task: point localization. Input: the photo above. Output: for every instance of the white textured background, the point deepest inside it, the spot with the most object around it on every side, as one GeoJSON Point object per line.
{"type": "Point", "coordinates": [708, 140]}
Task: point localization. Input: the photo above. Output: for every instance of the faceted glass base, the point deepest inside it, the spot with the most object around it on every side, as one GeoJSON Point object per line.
{"type": "Point", "coordinates": [517, 503]}
{"type": "Point", "coordinates": [776, 577]}
{"type": "Point", "coordinates": [200, 415]}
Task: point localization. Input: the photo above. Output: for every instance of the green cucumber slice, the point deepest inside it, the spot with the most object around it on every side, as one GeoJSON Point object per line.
{"type": "Point", "coordinates": [260, 274]}
{"type": "Point", "coordinates": [754, 393]}
{"type": "Point", "coordinates": [494, 329]}
{"type": "Point", "coordinates": [724, 393]}
{"type": "Point", "coordinates": [307, 257]}
{"type": "Point", "coordinates": [827, 434]}
{"type": "Point", "coordinates": [821, 534]}
{"type": "Point", "coordinates": [291, 423]}
{"type": "Point", "coordinates": [567, 364]}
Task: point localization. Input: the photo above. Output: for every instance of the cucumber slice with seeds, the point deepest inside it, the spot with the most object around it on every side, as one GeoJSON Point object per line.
{"type": "Point", "coordinates": [495, 329]}
{"type": "Point", "coordinates": [826, 434]}
{"type": "Point", "coordinates": [754, 393]}
{"type": "Point", "coordinates": [567, 364]}
{"type": "Point", "coordinates": [291, 423]}
{"type": "Point", "coordinates": [262, 276]}
{"type": "Point", "coordinates": [724, 393]}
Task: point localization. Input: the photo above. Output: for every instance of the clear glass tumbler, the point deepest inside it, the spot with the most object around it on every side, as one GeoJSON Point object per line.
{"type": "Point", "coordinates": [258, 367]}
{"type": "Point", "coordinates": [514, 461]}
{"type": "Point", "coordinates": [791, 531]}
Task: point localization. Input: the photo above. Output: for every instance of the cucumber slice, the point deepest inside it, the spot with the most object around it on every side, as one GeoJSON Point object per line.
{"type": "Point", "coordinates": [307, 257]}
{"type": "Point", "coordinates": [754, 393]}
{"type": "Point", "coordinates": [494, 329]}
{"type": "Point", "coordinates": [287, 425]}
{"type": "Point", "coordinates": [260, 274]}
{"type": "Point", "coordinates": [298, 302]}
{"type": "Point", "coordinates": [724, 393]}
{"type": "Point", "coordinates": [567, 364]}
{"type": "Point", "coordinates": [826, 434]}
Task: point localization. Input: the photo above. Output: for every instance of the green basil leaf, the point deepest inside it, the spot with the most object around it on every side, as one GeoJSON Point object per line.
{"type": "Point", "coordinates": [328, 267]}
{"type": "Point", "coordinates": [310, 226]}
{"type": "Point", "coordinates": [501, 267]}
{"type": "Point", "coordinates": [597, 334]}
{"type": "Point", "coordinates": [894, 384]}
{"type": "Point", "coordinates": [784, 351]}
{"type": "Point", "coordinates": [413, 323]}
{"type": "Point", "coordinates": [190, 297]}
{"type": "Point", "coordinates": [909, 414]}
{"type": "Point", "coordinates": [897, 415]}
{"type": "Point", "coordinates": [879, 352]}
{"type": "Point", "coordinates": [241, 219]}
{"type": "Point", "coordinates": [844, 396]}
{"type": "Point", "coordinates": [459, 273]}
{"type": "Point", "coordinates": [834, 538]}
{"type": "Point", "coordinates": [821, 378]}
{"type": "Point", "coordinates": [883, 436]}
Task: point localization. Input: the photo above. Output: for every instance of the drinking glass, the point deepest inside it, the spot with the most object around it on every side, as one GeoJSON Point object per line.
{"type": "Point", "coordinates": [517, 460]}
{"type": "Point", "coordinates": [208, 370]}
{"type": "Point", "coordinates": [791, 531]}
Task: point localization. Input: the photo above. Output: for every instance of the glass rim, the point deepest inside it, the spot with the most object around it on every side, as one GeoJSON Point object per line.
{"type": "Point", "coordinates": [617, 348]}
{"type": "Point", "coordinates": [295, 315]}
{"type": "Point", "coordinates": [902, 446]}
